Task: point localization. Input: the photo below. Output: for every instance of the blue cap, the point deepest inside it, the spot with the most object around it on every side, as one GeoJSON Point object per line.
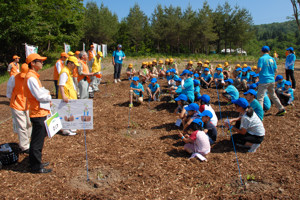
{"type": "Point", "coordinates": [278, 77]}
{"type": "Point", "coordinates": [135, 78]}
{"type": "Point", "coordinates": [196, 82]}
{"type": "Point", "coordinates": [154, 80]}
{"type": "Point", "coordinates": [242, 102]}
{"type": "Point", "coordinates": [251, 91]}
{"type": "Point", "coordinates": [229, 80]}
{"type": "Point", "coordinates": [119, 45]}
{"type": "Point", "coordinates": [238, 69]}
{"type": "Point", "coordinates": [178, 79]}
{"type": "Point", "coordinates": [173, 70]}
{"type": "Point", "coordinates": [192, 107]}
{"type": "Point", "coordinates": [252, 73]}
{"type": "Point", "coordinates": [265, 49]}
{"type": "Point", "coordinates": [168, 71]}
{"type": "Point", "coordinates": [288, 83]}
{"type": "Point", "coordinates": [256, 75]}
{"type": "Point", "coordinates": [198, 121]}
{"type": "Point", "coordinates": [207, 113]}
{"type": "Point", "coordinates": [182, 97]}
{"type": "Point", "coordinates": [219, 69]}
{"type": "Point", "coordinates": [248, 68]}
{"type": "Point", "coordinates": [196, 75]}
{"type": "Point", "coordinates": [290, 49]}
{"type": "Point", "coordinates": [206, 69]}
{"type": "Point", "coordinates": [185, 72]}
{"type": "Point", "coordinates": [191, 73]}
{"type": "Point", "coordinates": [245, 70]}
{"type": "Point", "coordinates": [253, 86]}
{"type": "Point", "coordinates": [205, 98]}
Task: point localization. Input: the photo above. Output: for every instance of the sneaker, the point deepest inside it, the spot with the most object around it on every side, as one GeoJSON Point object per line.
{"type": "Point", "coordinates": [116, 81]}
{"type": "Point", "coordinates": [68, 132]}
{"type": "Point", "coordinates": [281, 112]}
{"type": "Point", "coordinates": [253, 148]}
{"type": "Point", "coordinates": [72, 133]}
{"type": "Point", "coordinates": [119, 80]}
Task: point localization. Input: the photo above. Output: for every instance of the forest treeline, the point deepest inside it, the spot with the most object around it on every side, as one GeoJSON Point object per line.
{"type": "Point", "coordinates": [169, 30]}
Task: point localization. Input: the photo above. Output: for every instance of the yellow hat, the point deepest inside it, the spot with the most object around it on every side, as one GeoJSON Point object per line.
{"type": "Point", "coordinates": [245, 65]}
{"type": "Point", "coordinates": [154, 61]}
{"type": "Point", "coordinates": [171, 60]}
{"type": "Point", "coordinates": [144, 63]}
{"type": "Point", "coordinates": [199, 62]}
{"type": "Point", "coordinates": [237, 66]}
{"type": "Point", "coordinates": [70, 53]}
{"type": "Point", "coordinates": [130, 65]}
{"type": "Point", "coordinates": [150, 63]}
{"type": "Point", "coordinates": [207, 61]}
{"type": "Point", "coordinates": [74, 60]}
{"type": "Point", "coordinates": [160, 62]}
{"type": "Point", "coordinates": [254, 68]}
{"type": "Point", "coordinates": [100, 53]}
{"type": "Point", "coordinates": [205, 65]}
{"type": "Point", "coordinates": [167, 60]}
{"type": "Point", "coordinates": [219, 66]}
{"type": "Point", "coordinates": [190, 62]}
{"type": "Point", "coordinates": [226, 64]}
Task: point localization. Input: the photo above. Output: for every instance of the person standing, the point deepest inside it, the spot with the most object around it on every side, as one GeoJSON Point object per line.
{"type": "Point", "coordinates": [290, 65]}
{"type": "Point", "coordinates": [117, 60]}
{"type": "Point", "coordinates": [20, 114]}
{"type": "Point", "coordinates": [267, 68]}
{"type": "Point", "coordinates": [59, 65]}
{"type": "Point", "coordinates": [83, 76]}
{"type": "Point", "coordinates": [96, 69]}
{"type": "Point", "coordinates": [14, 67]}
{"type": "Point", "coordinates": [38, 101]}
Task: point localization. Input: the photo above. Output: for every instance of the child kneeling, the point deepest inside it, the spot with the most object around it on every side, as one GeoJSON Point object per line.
{"type": "Point", "coordinates": [136, 90]}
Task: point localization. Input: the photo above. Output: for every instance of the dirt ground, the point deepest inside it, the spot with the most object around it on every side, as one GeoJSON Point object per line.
{"type": "Point", "coordinates": [148, 162]}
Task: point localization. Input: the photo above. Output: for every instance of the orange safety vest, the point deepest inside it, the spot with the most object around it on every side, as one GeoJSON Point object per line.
{"type": "Point", "coordinates": [32, 103]}
{"type": "Point", "coordinates": [15, 69]}
{"type": "Point", "coordinates": [85, 69]}
{"type": "Point", "coordinates": [18, 100]}
{"type": "Point", "coordinates": [92, 54]}
{"type": "Point", "coordinates": [55, 73]}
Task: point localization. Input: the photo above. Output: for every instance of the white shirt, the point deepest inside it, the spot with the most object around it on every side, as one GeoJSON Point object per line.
{"type": "Point", "coordinates": [10, 86]}
{"type": "Point", "coordinates": [40, 93]}
{"type": "Point", "coordinates": [253, 124]}
{"type": "Point", "coordinates": [63, 78]}
{"type": "Point", "coordinates": [214, 119]}
{"type": "Point", "coordinates": [58, 66]}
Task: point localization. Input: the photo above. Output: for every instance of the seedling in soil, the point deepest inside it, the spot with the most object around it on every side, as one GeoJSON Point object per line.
{"type": "Point", "coordinates": [135, 125]}
{"type": "Point", "coordinates": [100, 176]}
{"type": "Point", "coordinates": [250, 177]}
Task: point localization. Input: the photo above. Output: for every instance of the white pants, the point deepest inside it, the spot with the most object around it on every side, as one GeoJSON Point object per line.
{"type": "Point", "coordinates": [23, 127]}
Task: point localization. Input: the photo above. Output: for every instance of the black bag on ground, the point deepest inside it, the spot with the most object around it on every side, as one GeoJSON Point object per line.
{"type": "Point", "coordinates": [9, 153]}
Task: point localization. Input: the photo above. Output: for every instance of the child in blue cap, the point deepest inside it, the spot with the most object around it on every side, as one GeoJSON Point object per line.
{"type": "Point", "coordinates": [244, 79]}
{"type": "Point", "coordinates": [187, 85]}
{"type": "Point", "coordinates": [153, 90]}
{"type": "Point", "coordinates": [250, 95]}
{"type": "Point", "coordinates": [192, 113]}
{"type": "Point", "coordinates": [209, 128]}
{"type": "Point", "coordinates": [237, 76]}
{"type": "Point", "coordinates": [219, 78]}
{"type": "Point", "coordinates": [171, 77]}
{"type": "Point", "coordinates": [197, 88]}
{"type": "Point", "coordinates": [280, 84]}
{"type": "Point", "coordinates": [267, 101]}
{"type": "Point", "coordinates": [196, 77]}
{"type": "Point", "coordinates": [204, 105]}
{"type": "Point", "coordinates": [230, 93]}
{"type": "Point", "coordinates": [176, 89]}
{"type": "Point", "coordinates": [136, 91]}
{"type": "Point", "coordinates": [287, 94]}
{"type": "Point", "coordinates": [197, 143]}
{"type": "Point", "coordinates": [250, 129]}
{"type": "Point", "coordinates": [206, 78]}
{"type": "Point", "coordinates": [180, 111]}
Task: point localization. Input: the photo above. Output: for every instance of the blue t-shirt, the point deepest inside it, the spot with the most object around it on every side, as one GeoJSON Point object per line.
{"type": "Point", "coordinates": [280, 85]}
{"type": "Point", "coordinates": [206, 77]}
{"type": "Point", "coordinates": [189, 89]}
{"type": "Point", "coordinates": [290, 91]}
{"type": "Point", "coordinates": [218, 76]}
{"type": "Point", "coordinates": [267, 102]}
{"type": "Point", "coordinates": [153, 88]}
{"type": "Point", "coordinates": [257, 108]}
{"type": "Point", "coordinates": [233, 92]}
{"type": "Point", "coordinates": [179, 90]}
{"type": "Point", "coordinates": [118, 56]}
{"type": "Point", "coordinates": [290, 61]}
{"type": "Point", "coordinates": [197, 90]}
{"type": "Point", "coordinates": [139, 86]}
{"type": "Point", "coordinates": [247, 77]}
{"type": "Point", "coordinates": [239, 75]}
{"type": "Point", "coordinates": [268, 67]}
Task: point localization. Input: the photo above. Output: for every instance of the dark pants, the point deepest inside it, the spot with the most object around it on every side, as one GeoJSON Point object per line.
{"type": "Point", "coordinates": [283, 99]}
{"type": "Point", "coordinates": [212, 132]}
{"type": "Point", "coordinates": [37, 142]}
{"type": "Point", "coordinates": [290, 74]}
{"type": "Point", "coordinates": [56, 89]}
{"type": "Point", "coordinates": [203, 84]}
{"type": "Point", "coordinates": [117, 71]}
{"type": "Point", "coordinates": [242, 139]}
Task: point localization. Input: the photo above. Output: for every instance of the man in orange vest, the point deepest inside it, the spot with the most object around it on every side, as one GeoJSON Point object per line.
{"type": "Point", "coordinates": [83, 76]}
{"type": "Point", "coordinates": [38, 102]}
{"type": "Point", "coordinates": [57, 68]}
{"type": "Point", "coordinates": [13, 67]}
{"type": "Point", "coordinates": [20, 114]}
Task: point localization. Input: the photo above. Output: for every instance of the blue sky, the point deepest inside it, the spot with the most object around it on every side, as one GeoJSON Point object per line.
{"type": "Point", "coordinates": [262, 11]}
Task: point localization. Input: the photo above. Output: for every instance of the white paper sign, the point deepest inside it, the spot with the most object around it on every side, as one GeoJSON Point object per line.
{"type": "Point", "coordinates": [83, 46]}
{"type": "Point", "coordinates": [104, 50]}
{"type": "Point", "coordinates": [76, 114]}
{"type": "Point", "coordinates": [95, 47]}
{"type": "Point", "coordinates": [67, 47]}
{"type": "Point", "coordinates": [53, 125]}
{"type": "Point", "coordinates": [178, 122]}
{"type": "Point", "coordinates": [29, 49]}
{"type": "Point", "coordinates": [99, 48]}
